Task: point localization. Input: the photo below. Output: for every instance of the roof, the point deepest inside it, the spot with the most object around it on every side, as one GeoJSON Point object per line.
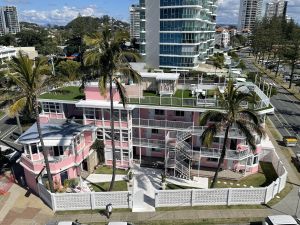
{"type": "Point", "coordinates": [160, 76]}
{"type": "Point", "coordinates": [53, 134]}
{"type": "Point", "coordinates": [282, 219]}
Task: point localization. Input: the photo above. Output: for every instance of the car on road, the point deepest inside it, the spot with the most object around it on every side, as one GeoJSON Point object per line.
{"type": "Point", "coordinates": [119, 223]}
{"type": "Point", "coordinates": [9, 153]}
{"type": "Point", "coordinates": [290, 141]}
{"type": "Point", "coordinates": [64, 223]}
{"type": "Point", "coordinates": [280, 220]}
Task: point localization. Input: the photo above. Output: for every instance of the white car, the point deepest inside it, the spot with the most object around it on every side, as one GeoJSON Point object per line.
{"type": "Point", "coordinates": [119, 223]}
{"type": "Point", "coordinates": [280, 219]}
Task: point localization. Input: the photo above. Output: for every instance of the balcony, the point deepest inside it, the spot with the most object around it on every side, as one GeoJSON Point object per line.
{"type": "Point", "coordinates": [148, 143]}
{"type": "Point", "coordinates": [163, 124]}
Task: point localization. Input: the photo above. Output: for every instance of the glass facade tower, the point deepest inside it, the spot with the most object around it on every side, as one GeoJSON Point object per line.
{"type": "Point", "coordinates": [177, 33]}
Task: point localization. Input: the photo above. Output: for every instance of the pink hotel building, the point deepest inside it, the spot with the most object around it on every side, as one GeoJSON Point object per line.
{"type": "Point", "coordinates": [160, 121]}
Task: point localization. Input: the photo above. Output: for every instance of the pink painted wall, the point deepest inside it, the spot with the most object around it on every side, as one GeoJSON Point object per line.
{"type": "Point", "coordinates": [93, 93]}
{"type": "Point", "coordinates": [72, 172]}
{"type": "Point", "coordinates": [44, 119]}
{"type": "Point", "coordinates": [30, 180]}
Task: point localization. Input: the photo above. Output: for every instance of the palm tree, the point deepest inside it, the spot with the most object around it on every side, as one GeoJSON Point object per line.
{"type": "Point", "coordinates": [109, 60]}
{"type": "Point", "coordinates": [31, 78]}
{"type": "Point", "coordinates": [232, 115]}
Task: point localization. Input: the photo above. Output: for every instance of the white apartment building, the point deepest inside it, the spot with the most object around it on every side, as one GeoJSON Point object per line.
{"type": "Point", "coordinates": [7, 52]}
{"type": "Point", "coordinates": [250, 11]}
{"type": "Point", "coordinates": [9, 21]}
{"type": "Point", "coordinates": [135, 22]}
{"type": "Point", "coordinates": [276, 8]}
{"type": "Point", "coordinates": [222, 38]}
{"type": "Point", "coordinates": [177, 33]}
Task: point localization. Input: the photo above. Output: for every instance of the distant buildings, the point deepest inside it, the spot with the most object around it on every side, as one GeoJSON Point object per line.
{"type": "Point", "coordinates": [222, 38]}
{"type": "Point", "coordinates": [250, 11]}
{"type": "Point", "coordinates": [177, 34]}
{"type": "Point", "coordinates": [9, 21]}
{"type": "Point", "coordinates": [135, 22]}
{"type": "Point", "coordinates": [276, 8]}
{"type": "Point", "coordinates": [6, 53]}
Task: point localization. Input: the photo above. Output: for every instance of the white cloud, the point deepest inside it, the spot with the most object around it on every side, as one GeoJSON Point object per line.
{"type": "Point", "coordinates": [58, 16]}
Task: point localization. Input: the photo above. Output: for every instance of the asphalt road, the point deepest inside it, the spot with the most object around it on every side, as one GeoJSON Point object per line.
{"type": "Point", "coordinates": [287, 108]}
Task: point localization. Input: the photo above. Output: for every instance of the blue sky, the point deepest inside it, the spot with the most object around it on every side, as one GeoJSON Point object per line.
{"type": "Point", "coordinates": [62, 11]}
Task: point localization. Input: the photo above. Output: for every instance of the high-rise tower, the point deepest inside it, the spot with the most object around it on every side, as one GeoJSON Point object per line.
{"type": "Point", "coordinates": [9, 21]}
{"type": "Point", "coordinates": [250, 11]}
{"type": "Point", "coordinates": [177, 33]}
{"type": "Point", "coordinates": [276, 8]}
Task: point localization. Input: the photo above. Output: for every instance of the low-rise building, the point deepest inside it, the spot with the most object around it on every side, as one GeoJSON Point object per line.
{"type": "Point", "coordinates": [160, 122]}
{"type": "Point", "coordinates": [222, 38]}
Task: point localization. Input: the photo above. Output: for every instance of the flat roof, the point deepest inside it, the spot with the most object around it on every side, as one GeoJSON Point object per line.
{"type": "Point", "coordinates": [282, 219]}
{"type": "Point", "coordinates": [160, 76]}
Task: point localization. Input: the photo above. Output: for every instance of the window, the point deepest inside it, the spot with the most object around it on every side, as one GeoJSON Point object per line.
{"type": "Point", "coordinates": [255, 159]}
{"type": "Point", "coordinates": [100, 134]}
{"type": "Point", "coordinates": [155, 149]}
{"type": "Point", "coordinates": [123, 115]}
{"type": "Point", "coordinates": [58, 150]}
{"type": "Point", "coordinates": [179, 113]}
{"type": "Point", "coordinates": [118, 154]}
{"type": "Point", "coordinates": [212, 159]}
{"type": "Point", "coordinates": [90, 113]}
{"type": "Point", "coordinates": [154, 131]}
{"type": "Point", "coordinates": [50, 107]}
{"type": "Point", "coordinates": [216, 139]}
{"type": "Point", "coordinates": [77, 140]}
{"type": "Point", "coordinates": [124, 136]}
{"type": "Point", "coordinates": [159, 112]}
{"type": "Point", "coordinates": [34, 149]}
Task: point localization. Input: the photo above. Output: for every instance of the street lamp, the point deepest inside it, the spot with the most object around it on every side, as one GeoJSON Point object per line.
{"type": "Point", "coordinates": [297, 202]}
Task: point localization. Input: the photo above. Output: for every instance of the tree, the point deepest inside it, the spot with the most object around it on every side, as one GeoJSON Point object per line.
{"type": "Point", "coordinates": [292, 50]}
{"type": "Point", "coordinates": [31, 79]}
{"type": "Point", "coordinates": [70, 70]}
{"type": "Point", "coordinates": [109, 60]}
{"type": "Point", "coordinates": [233, 114]}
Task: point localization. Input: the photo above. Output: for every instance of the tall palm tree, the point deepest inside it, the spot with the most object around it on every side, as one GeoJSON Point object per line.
{"type": "Point", "coordinates": [109, 60]}
{"type": "Point", "coordinates": [232, 115]}
{"type": "Point", "coordinates": [31, 78]}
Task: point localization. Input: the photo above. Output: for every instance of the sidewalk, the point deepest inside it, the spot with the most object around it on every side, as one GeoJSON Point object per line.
{"type": "Point", "coordinates": [195, 215]}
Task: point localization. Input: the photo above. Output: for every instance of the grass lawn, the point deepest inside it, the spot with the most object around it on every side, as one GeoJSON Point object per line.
{"type": "Point", "coordinates": [186, 94]}
{"type": "Point", "coordinates": [108, 170]}
{"type": "Point", "coordinates": [263, 178]}
{"type": "Point", "coordinates": [103, 187]}
{"type": "Point", "coordinates": [150, 93]}
{"type": "Point", "coordinates": [66, 93]}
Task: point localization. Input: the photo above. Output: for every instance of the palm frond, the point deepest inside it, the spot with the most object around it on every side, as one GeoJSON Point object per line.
{"type": "Point", "coordinates": [102, 84]}
{"type": "Point", "coordinates": [248, 134]}
{"type": "Point", "coordinates": [251, 114]}
{"type": "Point", "coordinates": [122, 91]}
{"type": "Point", "coordinates": [17, 107]}
{"type": "Point", "coordinates": [208, 135]}
{"type": "Point", "coordinates": [211, 115]}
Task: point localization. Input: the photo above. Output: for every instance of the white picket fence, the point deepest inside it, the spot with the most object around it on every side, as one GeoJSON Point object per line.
{"type": "Point", "coordinates": [166, 198]}
{"type": "Point", "coordinates": [82, 201]}
{"type": "Point", "coordinates": [226, 196]}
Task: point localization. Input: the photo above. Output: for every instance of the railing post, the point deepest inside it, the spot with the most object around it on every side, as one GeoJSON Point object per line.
{"type": "Point", "coordinates": [53, 202]}
{"type": "Point", "coordinates": [229, 196]}
{"type": "Point", "coordinates": [93, 201]}
{"type": "Point", "coordinates": [192, 197]}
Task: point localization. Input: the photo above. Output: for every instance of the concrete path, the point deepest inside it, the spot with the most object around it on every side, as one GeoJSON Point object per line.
{"type": "Point", "coordinates": [100, 178]}
{"type": "Point", "coordinates": [289, 204]}
{"type": "Point", "coordinates": [176, 215]}
{"type": "Point", "coordinates": [23, 208]}
{"type": "Point", "coordinates": [145, 182]}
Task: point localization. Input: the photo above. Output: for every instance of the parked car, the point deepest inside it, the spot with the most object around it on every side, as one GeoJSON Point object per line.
{"type": "Point", "coordinates": [280, 220]}
{"type": "Point", "coordinates": [10, 154]}
{"type": "Point", "coordinates": [65, 223]}
{"type": "Point", "coordinates": [119, 223]}
{"type": "Point", "coordinates": [290, 141]}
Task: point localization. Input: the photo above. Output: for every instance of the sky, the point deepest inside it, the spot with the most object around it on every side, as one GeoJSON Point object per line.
{"type": "Point", "coordinates": [60, 12]}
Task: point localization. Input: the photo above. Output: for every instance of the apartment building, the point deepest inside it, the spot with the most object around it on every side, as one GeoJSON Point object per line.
{"type": "Point", "coordinates": [250, 11]}
{"type": "Point", "coordinates": [222, 38]}
{"type": "Point", "coordinates": [177, 33]}
{"type": "Point", "coordinates": [9, 21]}
{"type": "Point", "coordinates": [6, 53]}
{"type": "Point", "coordinates": [160, 122]}
{"type": "Point", "coordinates": [134, 11]}
{"type": "Point", "coordinates": [276, 8]}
